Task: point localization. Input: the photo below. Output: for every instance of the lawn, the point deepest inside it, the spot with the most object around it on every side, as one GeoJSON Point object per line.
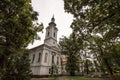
{"type": "Point", "coordinates": [69, 78]}
{"type": "Point", "coordinates": [82, 78]}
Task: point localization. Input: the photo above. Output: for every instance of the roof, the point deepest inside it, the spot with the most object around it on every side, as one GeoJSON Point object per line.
{"type": "Point", "coordinates": [45, 45]}
{"type": "Point", "coordinates": [64, 59]}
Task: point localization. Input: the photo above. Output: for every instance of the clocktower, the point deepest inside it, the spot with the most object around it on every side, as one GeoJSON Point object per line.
{"type": "Point", "coordinates": [51, 33]}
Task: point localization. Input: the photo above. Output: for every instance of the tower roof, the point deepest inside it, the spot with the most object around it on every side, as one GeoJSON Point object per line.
{"type": "Point", "coordinates": [52, 21]}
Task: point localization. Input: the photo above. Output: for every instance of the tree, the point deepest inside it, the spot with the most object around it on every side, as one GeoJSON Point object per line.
{"type": "Point", "coordinates": [18, 27]}
{"type": "Point", "coordinates": [87, 66]}
{"type": "Point", "coordinates": [18, 67]}
{"type": "Point", "coordinates": [71, 47]}
{"type": "Point", "coordinates": [101, 18]}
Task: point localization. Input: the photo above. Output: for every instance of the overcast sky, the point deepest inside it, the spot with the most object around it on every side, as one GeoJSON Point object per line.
{"type": "Point", "coordinates": [46, 9]}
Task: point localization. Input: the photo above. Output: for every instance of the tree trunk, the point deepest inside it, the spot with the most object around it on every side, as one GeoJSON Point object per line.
{"type": "Point", "coordinates": [109, 67]}
{"type": "Point", "coordinates": [110, 70]}
{"type": "Point", "coordinates": [105, 60]}
{"type": "Point", "coordinates": [3, 61]}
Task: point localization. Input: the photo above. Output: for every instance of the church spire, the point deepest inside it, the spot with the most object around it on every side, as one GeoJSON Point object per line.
{"type": "Point", "coordinates": [53, 19]}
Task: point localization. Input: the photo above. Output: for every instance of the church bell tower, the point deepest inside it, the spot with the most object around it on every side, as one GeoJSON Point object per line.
{"type": "Point", "coordinates": [51, 33]}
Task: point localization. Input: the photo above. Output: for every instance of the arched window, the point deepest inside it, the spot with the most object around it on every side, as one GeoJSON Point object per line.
{"type": "Point", "coordinates": [57, 60]}
{"type": "Point", "coordinates": [52, 59]}
{"type": "Point", "coordinates": [33, 58]}
{"type": "Point", "coordinates": [39, 57]}
{"type": "Point", "coordinates": [48, 33]}
{"type": "Point", "coordinates": [54, 34]}
{"type": "Point", "coordinates": [46, 55]}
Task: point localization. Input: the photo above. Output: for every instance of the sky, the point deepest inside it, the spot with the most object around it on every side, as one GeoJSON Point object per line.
{"type": "Point", "coordinates": [46, 9]}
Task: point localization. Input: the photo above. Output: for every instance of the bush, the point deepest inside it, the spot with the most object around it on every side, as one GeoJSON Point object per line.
{"type": "Point", "coordinates": [18, 68]}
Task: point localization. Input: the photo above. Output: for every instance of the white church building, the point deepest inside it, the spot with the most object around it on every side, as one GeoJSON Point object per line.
{"type": "Point", "coordinates": [42, 57]}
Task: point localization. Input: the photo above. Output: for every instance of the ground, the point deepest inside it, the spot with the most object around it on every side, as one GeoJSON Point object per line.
{"type": "Point", "coordinates": [69, 78]}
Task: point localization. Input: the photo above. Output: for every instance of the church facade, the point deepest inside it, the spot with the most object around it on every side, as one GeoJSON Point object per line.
{"type": "Point", "coordinates": [44, 56]}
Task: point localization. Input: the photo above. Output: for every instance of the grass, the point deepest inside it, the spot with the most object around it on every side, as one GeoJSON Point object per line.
{"type": "Point", "coordinates": [69, 78]}
{"type": "Point", "coordinates": [82, 78]}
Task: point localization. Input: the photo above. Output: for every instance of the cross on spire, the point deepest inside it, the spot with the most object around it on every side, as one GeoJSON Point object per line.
{"type": "Point", "coordinates": [53, 19]}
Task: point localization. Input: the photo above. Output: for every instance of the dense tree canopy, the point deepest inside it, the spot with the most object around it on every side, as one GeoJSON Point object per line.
{"type": "Point", "coordinates": [97, 16]}
{"type": "Point", "coordinates": [18, 67]}
{"type": "Point", "coordinates": [18, 27]}
{"type": "Point", "coordinates": [98, 23]}
{"type": "Point", "coordinates": [71, 47]}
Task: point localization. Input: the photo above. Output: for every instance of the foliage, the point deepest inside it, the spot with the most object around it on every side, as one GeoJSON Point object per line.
{"type": "Point", "coordinates": [70, 47]}
{"type": "Point", "coordinates": [87, 66]}
{"type": "Point", "coordinates": [18, 27]}
{"type": "Point", "coordinates": [18, 67]}
{"type": "Point", "coordinates": [97, 22]}
{"type": "Point", "coordinates": [53, 70]}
